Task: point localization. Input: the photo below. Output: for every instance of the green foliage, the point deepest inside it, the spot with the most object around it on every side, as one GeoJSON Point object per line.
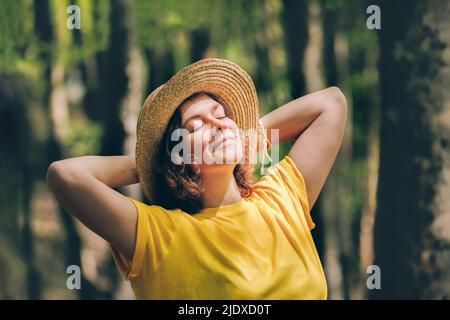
{"type": "Point", "coordinates": [83, 138]}
{"type": "Point", "coordinates": [333, 5]}
{"type": "Point", "coordinates": [20, 48]}
{"type": "Point", "coordinates": [17, 37]}
{"type": "Point", "coordinates": [95, 30]}
{"type": "Point", "coordinates": [159, 21]}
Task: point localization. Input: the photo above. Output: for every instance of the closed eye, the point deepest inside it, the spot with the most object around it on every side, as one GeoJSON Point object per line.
{"type": "Point", "coordinates": [197, 127]}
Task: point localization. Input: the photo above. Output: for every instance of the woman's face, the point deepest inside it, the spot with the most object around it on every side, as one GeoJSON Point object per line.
{"type": "Point", "coordinates": [213, 137]}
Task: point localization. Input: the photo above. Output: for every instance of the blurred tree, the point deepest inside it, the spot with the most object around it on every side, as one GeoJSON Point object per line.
{"type": "Point", "coordinates": [161, 62]}
{"type": "Point", "coordinates": [17, 174]}
{"type": "Point", "coordinates": [365, 143]}
{"type": "Point", "coordinates": [21, 144]}
{"type": "Point", "coordinates": [59, 55]}
{"type": "Point", "coordinates": [256, 38]}
{"type": "Point", "coordinates": [335, 201]}
{"type": "Point", "coordinates": [329, 206]}
{"type": "Point", "coordinates": [412, 223]}
{"type": "Point", "coordinates": [114, 79]}
{"type": "Point", "coordinates": [200, 40]}
{"type": "Point", "coordinates": [316, 80]}
{"type": "Point", "coordinates": [348, 198]}
{"type": "Point", "coordinates": [295, 21]}
{"type": "Point", "coordinates": [329, 11]}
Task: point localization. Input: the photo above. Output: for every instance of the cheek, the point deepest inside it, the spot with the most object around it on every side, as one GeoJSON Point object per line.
{"type": "Point", "coordinates": [198, 140]}
{"type": "Point", "coordinates": [239, 145]}
{"type": "Point", "coordinates": [231, 124]}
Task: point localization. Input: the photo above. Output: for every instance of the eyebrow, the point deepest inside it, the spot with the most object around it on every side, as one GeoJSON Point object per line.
{"type": "Point", "coordinates": [216, 106]}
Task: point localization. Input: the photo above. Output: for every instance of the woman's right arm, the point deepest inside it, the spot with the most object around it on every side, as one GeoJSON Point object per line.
{"type": "Point", "coordinates": [83, 186]}
{"type": "Point", "coordinates": [316, 122]}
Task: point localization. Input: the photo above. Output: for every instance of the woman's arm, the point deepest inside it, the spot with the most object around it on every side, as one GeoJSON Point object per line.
{"type": "Point", "coordinates": [317, 123]}
{"type": "Point", "coordinates": [83, 186]}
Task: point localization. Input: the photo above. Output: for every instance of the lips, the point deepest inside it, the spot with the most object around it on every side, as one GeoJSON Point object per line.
{"type": "Point", "coordinates": [221, 140]}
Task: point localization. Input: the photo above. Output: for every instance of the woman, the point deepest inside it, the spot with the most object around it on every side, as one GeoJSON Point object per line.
{"type": "Point", "coordinates": [211, 233]}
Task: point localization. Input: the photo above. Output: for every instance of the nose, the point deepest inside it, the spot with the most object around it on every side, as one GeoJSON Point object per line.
{"type": "Point", "coordinates": [217, 124]}
{"type": "Point", "coordinates": [218, 128]}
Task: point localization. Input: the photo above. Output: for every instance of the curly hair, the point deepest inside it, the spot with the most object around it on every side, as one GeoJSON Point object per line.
{"type": "Point", "coordinates": [179, 184]}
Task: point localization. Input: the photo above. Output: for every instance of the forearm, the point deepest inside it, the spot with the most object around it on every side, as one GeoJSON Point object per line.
{"type": "Point", "coordinates": [292, 118]}
{"type": "Point", "coordinates": [113, 171]}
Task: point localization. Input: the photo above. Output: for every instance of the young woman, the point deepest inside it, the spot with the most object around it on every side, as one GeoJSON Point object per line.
{"type": "Point", "coordinates": [210, 231]}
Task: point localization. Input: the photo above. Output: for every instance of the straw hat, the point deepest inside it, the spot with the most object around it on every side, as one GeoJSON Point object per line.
{"type": "Point", "coordinates": [220, 77]}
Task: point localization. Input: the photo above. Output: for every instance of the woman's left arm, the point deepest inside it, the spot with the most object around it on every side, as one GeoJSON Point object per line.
{"type": "Point", "coordinates": [316, 122]}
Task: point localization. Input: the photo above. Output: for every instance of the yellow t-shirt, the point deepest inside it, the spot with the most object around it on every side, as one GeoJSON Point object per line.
{"type": "Point", "coordinates": [258, 248]}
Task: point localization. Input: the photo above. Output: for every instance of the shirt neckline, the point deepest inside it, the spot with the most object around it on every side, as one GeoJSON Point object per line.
{"type": "Point", "coordinates": [229, 209]}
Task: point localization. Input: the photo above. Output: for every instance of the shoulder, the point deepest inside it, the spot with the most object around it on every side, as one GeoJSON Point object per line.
{"type": "Point", "coordinates": [284, 171]}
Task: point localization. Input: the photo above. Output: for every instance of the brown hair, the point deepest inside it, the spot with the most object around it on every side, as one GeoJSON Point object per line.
{"type": "Point", "coordinates": [179, 186]}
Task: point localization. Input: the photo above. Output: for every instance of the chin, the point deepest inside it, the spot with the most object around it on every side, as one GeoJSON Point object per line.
{"type": "Point", "coordinates": [230, 154]}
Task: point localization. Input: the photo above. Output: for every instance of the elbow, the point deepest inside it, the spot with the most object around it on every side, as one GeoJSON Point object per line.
{"type": "Point", "coordinates": [337, 97]}
{"type": "Point", "coordinates": [58, 175]}
{"type": "Point", "coordinates": [64, 182]}
{"type": "Point", "coordinates": [337, 101]}
{"type": "Point", "coordinates": [54, 175]}
{"type": "Point", "coordinates": [52, 171]}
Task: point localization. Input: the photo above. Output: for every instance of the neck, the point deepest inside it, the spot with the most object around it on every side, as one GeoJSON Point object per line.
{"type": "Point", "coordinates": [220, 189]}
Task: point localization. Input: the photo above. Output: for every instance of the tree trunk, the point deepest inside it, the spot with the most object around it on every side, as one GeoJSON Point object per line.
{"type": "Point", "coordinates": [313, 53]}
{"type": "Point", "coordinates": [412, 228]}
{"type": "Point", "coordinates": [329, 55]}
{"type": "Point", "coordinates": [114, 79]}
{"type": "Point", "coordinates": [295, 21]}
{"type": "Point", "coordinates": [315, 81]}
{"type": "Point", "coordinates": [19, 278]}
{"type": "Point", "coordinates": [161, 67]}
{"type": "Point", "coordinates": [335, 202]}
{"type": "Point", "coordinates": [119, 71]}
{"type": "Point", "coordinates": [199, 44]}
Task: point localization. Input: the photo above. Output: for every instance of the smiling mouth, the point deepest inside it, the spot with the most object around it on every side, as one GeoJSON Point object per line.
{"type": "Point", "coordinates": [221, 141]}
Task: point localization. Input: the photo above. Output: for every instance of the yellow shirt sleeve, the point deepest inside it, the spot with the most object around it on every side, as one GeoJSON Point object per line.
{"type": "Point", "coordinates": [131, 269]}
{"type": "Point", "coordinates": [286, 188]}
{"type": "Point", "coordinates": [155, 230]}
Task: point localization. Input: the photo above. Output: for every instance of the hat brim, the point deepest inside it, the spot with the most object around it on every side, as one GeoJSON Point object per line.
{"type": "Point", "coordinates": [220, 77]}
